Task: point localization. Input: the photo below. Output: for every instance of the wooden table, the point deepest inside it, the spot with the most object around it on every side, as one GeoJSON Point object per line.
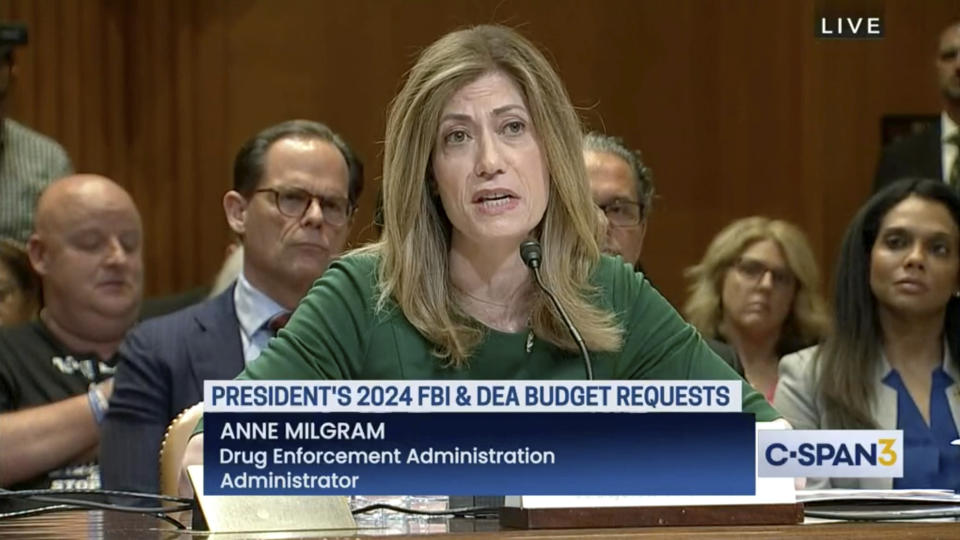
{"type": "Point", "coordinates": [96, 524]}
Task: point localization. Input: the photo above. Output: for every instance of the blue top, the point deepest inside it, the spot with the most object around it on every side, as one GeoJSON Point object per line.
{"type": "Point", "coordinates": [929, 460]}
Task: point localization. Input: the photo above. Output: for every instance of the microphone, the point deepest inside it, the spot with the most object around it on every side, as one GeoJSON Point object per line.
{"type": "Point", "coordinates": [532, 255]}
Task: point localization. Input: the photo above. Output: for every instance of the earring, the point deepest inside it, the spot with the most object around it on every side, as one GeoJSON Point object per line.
{"type": "Point", "coordinates": [956, 294]}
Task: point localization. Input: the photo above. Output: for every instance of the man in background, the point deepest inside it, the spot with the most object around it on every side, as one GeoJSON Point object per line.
{"type": "Point", "coordinates": [55, 371]}
{"type": "Point", "coordinates": [29, 161]}
{"type": "Point", "coordinates": [622, 187]}
{"type": "Point", "coordinates": [933, 152]}
{"type": "Point", "coordinates": [294, 193]}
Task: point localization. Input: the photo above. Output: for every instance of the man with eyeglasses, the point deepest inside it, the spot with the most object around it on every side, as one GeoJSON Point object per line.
{"type": "Point", "coordinates": [935, 151]}
{"type": "Point", "coordinates": [295, 190]}
{"type": "Point", "coordinates": [622, 187]}
{"type": "Point", "coordinates": [29, 161]}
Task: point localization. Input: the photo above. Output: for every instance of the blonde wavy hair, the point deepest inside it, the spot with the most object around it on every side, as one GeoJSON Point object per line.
{"type": "Point", "coordinates": [808, 319]}
{"type": "Point", "coordinates": [413, 250]}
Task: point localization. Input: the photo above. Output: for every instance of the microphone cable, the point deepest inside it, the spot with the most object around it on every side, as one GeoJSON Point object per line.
{"type": "Point", "coordinates": [532, 254]}
{"type": "Point", "coordinates": [58, 503]}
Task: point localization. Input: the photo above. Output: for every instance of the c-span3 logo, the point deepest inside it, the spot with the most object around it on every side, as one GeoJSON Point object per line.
{"type": "Point", "coordinates": [830, 453]}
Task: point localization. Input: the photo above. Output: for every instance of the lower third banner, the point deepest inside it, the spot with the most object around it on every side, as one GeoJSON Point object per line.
{"type": "Point", "coordinates": [479, 453]}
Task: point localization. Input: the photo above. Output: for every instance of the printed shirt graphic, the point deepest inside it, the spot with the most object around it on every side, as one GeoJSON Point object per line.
{"type": "Point", "coordinates": [36, 369]}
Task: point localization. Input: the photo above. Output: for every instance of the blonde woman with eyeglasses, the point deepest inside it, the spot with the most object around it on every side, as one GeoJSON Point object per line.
{"type": "Point", "coordinates": [758, 289]}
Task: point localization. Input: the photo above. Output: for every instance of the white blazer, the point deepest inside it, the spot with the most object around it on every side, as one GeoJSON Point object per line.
{"type": "Point", "coordinates": [796, 399]}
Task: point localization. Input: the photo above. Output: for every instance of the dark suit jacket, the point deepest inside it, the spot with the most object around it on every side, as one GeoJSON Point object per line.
{"type": "Point", "coordinates": [162, 305]}
{"type": "Point", "coordinates": [162, 365]}
{"type": "Point", "coordinates": [914, 156]}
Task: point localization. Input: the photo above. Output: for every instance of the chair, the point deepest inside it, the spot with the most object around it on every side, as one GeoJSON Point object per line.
{"type": "Point", "coordinates": [174, 446]}
{"type": "Point", "coordinates": [248, 513]}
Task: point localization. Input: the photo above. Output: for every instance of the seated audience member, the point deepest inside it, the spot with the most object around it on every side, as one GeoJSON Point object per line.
{"type": "Point", "coordinates": [29, 161]}
{"type": "Point", "coordinates": [54, 372]}
{"type": "Point", "coordinates": [19, 285]}
{"type": "Point", "coordinates": [295, 188]}
{"type": "Point", "coordinates": [622, 187]}
{"type": "Point", "coordinates": [757, 288]}
{"type": "Point", "coordinates": [483, 150]}
{"type": "Point", "coordinates": [892, 360]}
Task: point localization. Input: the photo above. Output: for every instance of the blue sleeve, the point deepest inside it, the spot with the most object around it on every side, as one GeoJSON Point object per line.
{"type": "Point", "coordinates": [138, 415]}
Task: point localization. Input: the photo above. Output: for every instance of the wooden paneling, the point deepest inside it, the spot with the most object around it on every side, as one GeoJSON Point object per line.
{"type": "Point", "coordinates": [737, 108]}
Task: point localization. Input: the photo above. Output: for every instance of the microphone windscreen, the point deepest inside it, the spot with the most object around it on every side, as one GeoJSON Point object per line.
{"type": "Point", "coordinates": [531, 252]}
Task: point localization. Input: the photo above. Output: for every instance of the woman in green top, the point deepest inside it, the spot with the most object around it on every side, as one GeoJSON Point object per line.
{"type": "Point", "coordinates": [482, 152]}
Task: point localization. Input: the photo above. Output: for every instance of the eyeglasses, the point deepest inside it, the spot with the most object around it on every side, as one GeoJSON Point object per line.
{"type": "Point", "coordinates": [754, 270]}
{"type": "Point", "coordinates": [293, 202]}
{"type": "Point", "coordinates": [623, 213]}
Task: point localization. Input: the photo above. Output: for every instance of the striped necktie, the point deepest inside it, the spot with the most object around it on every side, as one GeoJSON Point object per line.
{"type": "Point", "coordinates": [278, 321]}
